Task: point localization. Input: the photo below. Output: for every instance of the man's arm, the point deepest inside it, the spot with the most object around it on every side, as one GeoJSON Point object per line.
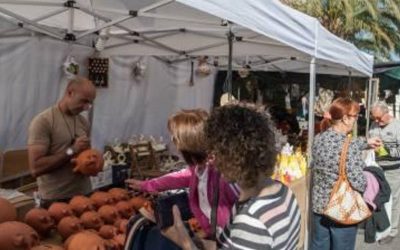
{"type": "Point", "coordinates": [40, 163]}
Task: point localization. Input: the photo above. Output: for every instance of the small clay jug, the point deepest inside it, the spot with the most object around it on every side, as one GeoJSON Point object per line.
{"type": "Point", "coordinates": [101, 198]}
{"type": "Point", "coordinates": [91, 220]}
{"type": "Point", "coordinates": [137, 202]}
{"type": "Point", "coordinates": [109, 214]}
{"type": "Point", "coordinates": [59, 210]}
{"type": "Point", "coordinates": [69, 226]}
{"type": "Point", "coordinates": [15, 235]}
{"type": "Point", "coordinates": [85, 240]}
{"type": "Point", "coordinates": [125, 209]}
{"type": "Point", "coordinates": [120, 240]}
{"type": "Point", "coordinates": [80, 204]}
{"type": "Point", "coordinates": [119, 194]}
{"type": "Point", "coordinates": [121, 224]}
{"type": "Point", "coordinates": [89, 162]}
{"type": "Point", "coordinates": [40, 220]}
{"type": "Point", "coordinates": [108, 231]}
{"type": "Point", "coordinates": [8, 211]}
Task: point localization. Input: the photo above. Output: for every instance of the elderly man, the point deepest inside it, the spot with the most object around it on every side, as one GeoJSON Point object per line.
{"type": "Point", "coordinates": [56, 135]}
{"type": "Point", "coordinates": [387, 128]}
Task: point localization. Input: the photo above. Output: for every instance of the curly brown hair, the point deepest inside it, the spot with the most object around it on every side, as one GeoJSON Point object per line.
{"type": "Point", "coordinates": [243, 143]}
{"type": "Point", "coordinates": [187, 132]}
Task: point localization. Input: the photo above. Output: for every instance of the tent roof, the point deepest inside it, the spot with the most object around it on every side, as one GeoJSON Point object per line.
{"type": "Point", "coordinates": [286, 38]}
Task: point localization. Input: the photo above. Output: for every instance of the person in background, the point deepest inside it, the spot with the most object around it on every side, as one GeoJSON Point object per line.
{"type": "Point", "coordinates": [55, 136]}
{"type": "Point", "coordinates": [337, 124]}
{"type": "Point", "coordinates": [266, 215]}
{"type": "Point", "coordinates": [386, 127]}
{"type": "Point", "coordinates": [186, 129]}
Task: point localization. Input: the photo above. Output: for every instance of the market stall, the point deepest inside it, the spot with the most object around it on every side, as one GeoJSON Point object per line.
{"type": "Point", "coordinates": [175, 33]}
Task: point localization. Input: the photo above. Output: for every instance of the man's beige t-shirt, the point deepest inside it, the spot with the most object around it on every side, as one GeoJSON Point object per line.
{"type": "Point", "coordinates": [56, 131]}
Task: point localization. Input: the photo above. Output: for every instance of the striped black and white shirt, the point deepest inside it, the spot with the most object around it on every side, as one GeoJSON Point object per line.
{"type": "Point", "coordinates": [264, 222]}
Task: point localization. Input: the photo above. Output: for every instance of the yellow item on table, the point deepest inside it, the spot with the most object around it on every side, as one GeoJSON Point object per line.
{"type": "Point", "coordinates": [381, 151]}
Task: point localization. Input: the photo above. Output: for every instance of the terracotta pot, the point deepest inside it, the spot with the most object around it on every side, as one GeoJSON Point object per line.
{"type": "Point", "coordinates": [121, 224]}
{"type": "Point", "coordinates": [40, 220]}
{"type": "Point", "coordinates": [101, 198]}
{"type": "Point", "coordinates": [15, 235]}
{"type": "Point", "coordinates": [91, 220]}
{"type": "Point", "coordinates": [89, 162]}
{"type": "Point", "coordinates": [125, 209]}
{"type": "Point", "coordinates": [80, 204]}
{"type": "Point", "coordinates": [45, 246]}
{"type": "Point", "coordinates": [109, 214]}
{"type": "Point", "coordinates": [119, 194]}
{"type": "Point", "coordinates": [85, 240]}
{"type": "Point", "coordinates": [120, 240]}
{"type": "Point", "coordinates": [8, 211]}
{"type": "Point", "coordinates": [112, 245]}
{"type": "Point", "coordinates": [137, 202]}
{"type": "Point", "coordinates": [69, 226]}
{"type": "Point", "coordinates": [59, 210]}
{"type": "Point", "coordinates": [108, 231]}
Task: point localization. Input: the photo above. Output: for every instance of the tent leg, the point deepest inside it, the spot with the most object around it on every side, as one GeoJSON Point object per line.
{"type": "Point", "coordinates": [311, 124]}
{"type": "Point", "coordinates": [229, 73]}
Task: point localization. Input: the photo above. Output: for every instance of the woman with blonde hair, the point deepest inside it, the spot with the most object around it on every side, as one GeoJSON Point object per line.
{"type": "Point", "coordinates": [187, 132]}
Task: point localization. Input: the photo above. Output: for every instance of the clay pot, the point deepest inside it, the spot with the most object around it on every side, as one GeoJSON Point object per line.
{"type": "Point", "coordinates": [8, 211]}
{"type": "Point", "coordinates": [121, 224]}
{"type": "Point", "coordinates": [89, 162]}
{"type": "Point", "coordinates": [68, 226]}
{"type": "Point", "coordinates": [80, 204]}
{"type": "Point", "coordinates": [101, 198]}
{"type": "Point", "coordinates": [40, 220]}
{"type": "Point", "coordinates": [108, 231]}
{"type": "Point", "coordinates": [91, 220]}
{"type": "Point", "coordinates": [59, 210]}
{"type": "Point", "coordinates": [120, 240]}
{"type": "Point", "coordinates": [109, 214]}
{"type": "Point", "coordinates": [111, 244]}
{"type": "Point", "coordinates": [119, 194]}
{"type": "Point", "coordinates": [15, 235]}
{"type": "Point", "coordinates": [137, 202]}
{"type": "Point", "coordinates": [125, 209]}
{"type": "Point", "coordinates": [45, 246]}
{"type": "Point", "coordinates": [85, 240]}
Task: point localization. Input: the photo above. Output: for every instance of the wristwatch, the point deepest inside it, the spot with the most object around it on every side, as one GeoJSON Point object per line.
{"type": "Point", "coordinates": [70, 151]}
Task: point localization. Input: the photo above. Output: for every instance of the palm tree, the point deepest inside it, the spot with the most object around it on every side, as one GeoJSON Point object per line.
{"type": "Point", "coordinates": [372, 25]}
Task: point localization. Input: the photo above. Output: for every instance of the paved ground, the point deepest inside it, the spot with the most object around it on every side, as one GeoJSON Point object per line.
{"type": "Point", "coordinates": [361, 245]}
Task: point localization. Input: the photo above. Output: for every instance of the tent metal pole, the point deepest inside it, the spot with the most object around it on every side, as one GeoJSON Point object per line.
{"type": "Point", "coordinates": [50, 14]}
{"type": "Point", "coordinates": [71, 21]}
{"type": "Point", "coordinates": [229, 75]}
{"type": "Point", "coordinates": [37, 26]}
{"type": "Point", "coordinates": [106, 25]}
{"type": "Point", "coordinates": [34, 3]}
{"type": "Point", "coordinates": [311, 121]}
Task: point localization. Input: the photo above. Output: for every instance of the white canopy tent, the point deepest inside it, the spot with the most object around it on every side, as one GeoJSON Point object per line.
{"type": "Point", "coordinates": [286, 39]}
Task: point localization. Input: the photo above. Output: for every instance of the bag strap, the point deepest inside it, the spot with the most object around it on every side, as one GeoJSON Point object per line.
{"type": "Point", "coordinates": [214, 209]}
{"type": "Point", "coordinates": [343, 157]}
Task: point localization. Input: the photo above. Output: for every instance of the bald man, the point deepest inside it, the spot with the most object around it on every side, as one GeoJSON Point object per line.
{"type": "Point", "coordinates": [57, 135]}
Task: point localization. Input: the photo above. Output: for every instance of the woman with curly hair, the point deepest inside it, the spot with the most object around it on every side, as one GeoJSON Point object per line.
{"type": "Point", "coordinates": [187, 132]}
{"type": "Point", "coordinates": [267, 215]}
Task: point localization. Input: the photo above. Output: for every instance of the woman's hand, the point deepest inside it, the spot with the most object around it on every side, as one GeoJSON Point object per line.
{"type": "Point", "coordinates": [134, 184]}
{"type": "Point", "coordinates": [177, 232]}
{"type": "Point", "coordinates": [374, 142]}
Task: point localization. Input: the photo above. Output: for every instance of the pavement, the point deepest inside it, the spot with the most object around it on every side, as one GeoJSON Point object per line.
{"type": "Point", "coordinates": [361, 245]}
